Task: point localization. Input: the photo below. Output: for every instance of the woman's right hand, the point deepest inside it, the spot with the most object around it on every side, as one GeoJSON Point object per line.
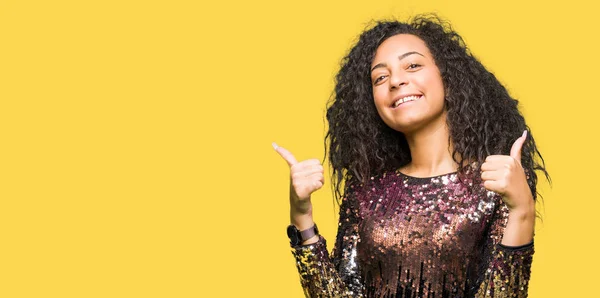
{"type": "Point", "coordinates": [305, 178]}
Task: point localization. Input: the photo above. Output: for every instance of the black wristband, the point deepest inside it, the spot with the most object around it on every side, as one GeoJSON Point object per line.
{"type": "Point", "coordinates": [297, 237]}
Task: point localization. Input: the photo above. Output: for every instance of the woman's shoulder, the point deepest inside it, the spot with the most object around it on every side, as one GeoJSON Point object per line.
{"type": "Point", "coordinates": [372, 184]}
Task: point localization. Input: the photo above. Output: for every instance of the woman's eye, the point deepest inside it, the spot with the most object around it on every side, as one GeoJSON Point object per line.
{"type": "Point", "coordinates": [379, 78]}
{"type": "Point", "coordinates": [413, 66]}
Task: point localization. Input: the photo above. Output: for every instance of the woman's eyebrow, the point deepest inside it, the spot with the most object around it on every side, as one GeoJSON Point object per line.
{"type": "Point", "coordinates": [378, 65]}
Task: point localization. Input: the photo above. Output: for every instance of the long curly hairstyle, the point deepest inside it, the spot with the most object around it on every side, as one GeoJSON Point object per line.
{"type": "Point", "coordinates": [483, 119]}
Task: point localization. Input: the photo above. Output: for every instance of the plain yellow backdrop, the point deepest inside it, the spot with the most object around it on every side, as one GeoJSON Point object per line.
{"type": "Point", "coordinates": [135, 137]}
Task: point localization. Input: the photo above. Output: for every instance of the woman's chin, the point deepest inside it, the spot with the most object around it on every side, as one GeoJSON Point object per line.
{"type": "Point", "coordinates": [405, 127]}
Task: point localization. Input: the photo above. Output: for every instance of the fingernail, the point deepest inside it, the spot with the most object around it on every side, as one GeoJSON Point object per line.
{"type": "Point", "coordinates": [275, 146]}
{"type": "Point", "coordinates": [525, 133]}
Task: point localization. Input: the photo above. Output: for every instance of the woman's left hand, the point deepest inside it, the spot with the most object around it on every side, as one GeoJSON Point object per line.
{"type": "Point", "coordinates": [504, 175]}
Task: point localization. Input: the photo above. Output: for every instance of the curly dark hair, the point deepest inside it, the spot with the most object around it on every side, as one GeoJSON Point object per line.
{"type": "Point", "coordinates": [483, 119]}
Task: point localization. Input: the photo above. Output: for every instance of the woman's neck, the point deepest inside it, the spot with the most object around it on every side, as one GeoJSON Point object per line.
{"type": "Point", "coordinates": [430, 150]}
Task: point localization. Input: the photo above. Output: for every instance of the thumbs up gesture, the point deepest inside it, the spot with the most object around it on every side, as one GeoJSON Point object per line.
{"type": "Point", "coordinates": [306, 177]}
{"type": "Point", "coordinates": [504, 175]}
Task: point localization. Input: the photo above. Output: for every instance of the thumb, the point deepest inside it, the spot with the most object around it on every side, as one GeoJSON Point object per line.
{"type": "Point", "coordinates": [288, 156]}
{"type": "Point", "coordinates": [515, 151]}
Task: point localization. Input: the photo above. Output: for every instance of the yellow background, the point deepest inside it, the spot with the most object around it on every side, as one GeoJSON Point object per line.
{"type": "Point", "coordinates": [135, 137]}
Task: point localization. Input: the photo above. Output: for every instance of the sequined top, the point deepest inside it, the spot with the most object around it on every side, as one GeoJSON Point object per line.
{"type": "Point", "coordinates": [403, 236]}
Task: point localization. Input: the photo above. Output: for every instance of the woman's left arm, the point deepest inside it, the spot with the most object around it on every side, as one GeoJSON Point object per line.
{"type": "Point", "coordinates": [505, 270]}
{"type": "Point", "coordinates": [510, 243]}
{"type": "Point", "coordinates": [504, 175]}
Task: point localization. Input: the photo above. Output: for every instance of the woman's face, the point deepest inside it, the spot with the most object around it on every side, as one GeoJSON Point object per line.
{"type": "Point", "coordinates": [407, 85]}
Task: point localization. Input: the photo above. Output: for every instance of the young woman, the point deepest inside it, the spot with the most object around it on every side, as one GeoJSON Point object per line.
{"type": "Point", "coordinates": [438, 170]}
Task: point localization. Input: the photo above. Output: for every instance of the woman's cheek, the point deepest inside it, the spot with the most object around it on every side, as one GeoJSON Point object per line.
{"type": "Point", "coordinates": [379, 98]}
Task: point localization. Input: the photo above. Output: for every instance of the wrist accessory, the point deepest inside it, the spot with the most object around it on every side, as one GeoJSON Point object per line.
{"type": "Point", "coordinates": [297, 237]}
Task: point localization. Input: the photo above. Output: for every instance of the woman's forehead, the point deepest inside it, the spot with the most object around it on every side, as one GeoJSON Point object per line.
{"type": "Point", "coordinates": [399, 44]}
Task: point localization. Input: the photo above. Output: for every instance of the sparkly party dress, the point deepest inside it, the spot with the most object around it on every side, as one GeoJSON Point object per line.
{"type": "Point", "coordinates": [403, 236]}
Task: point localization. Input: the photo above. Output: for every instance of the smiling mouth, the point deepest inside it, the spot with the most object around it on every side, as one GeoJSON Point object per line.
{"type": "Point", "coordinates": [405, 99]}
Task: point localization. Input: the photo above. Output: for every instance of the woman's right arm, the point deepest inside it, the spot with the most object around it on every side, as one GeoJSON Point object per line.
{"type": "Point", "coordinates": [320, 274]}
{"type": "Point", "coordinates": [338, 275]}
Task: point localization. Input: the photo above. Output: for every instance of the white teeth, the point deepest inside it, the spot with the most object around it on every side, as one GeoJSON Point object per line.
{"type": "Point", "coordinates": [405, 99]}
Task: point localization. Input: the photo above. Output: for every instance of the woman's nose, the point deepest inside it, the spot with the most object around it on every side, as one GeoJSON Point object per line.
{"type": "Point", "coordinates": [397, 80]}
